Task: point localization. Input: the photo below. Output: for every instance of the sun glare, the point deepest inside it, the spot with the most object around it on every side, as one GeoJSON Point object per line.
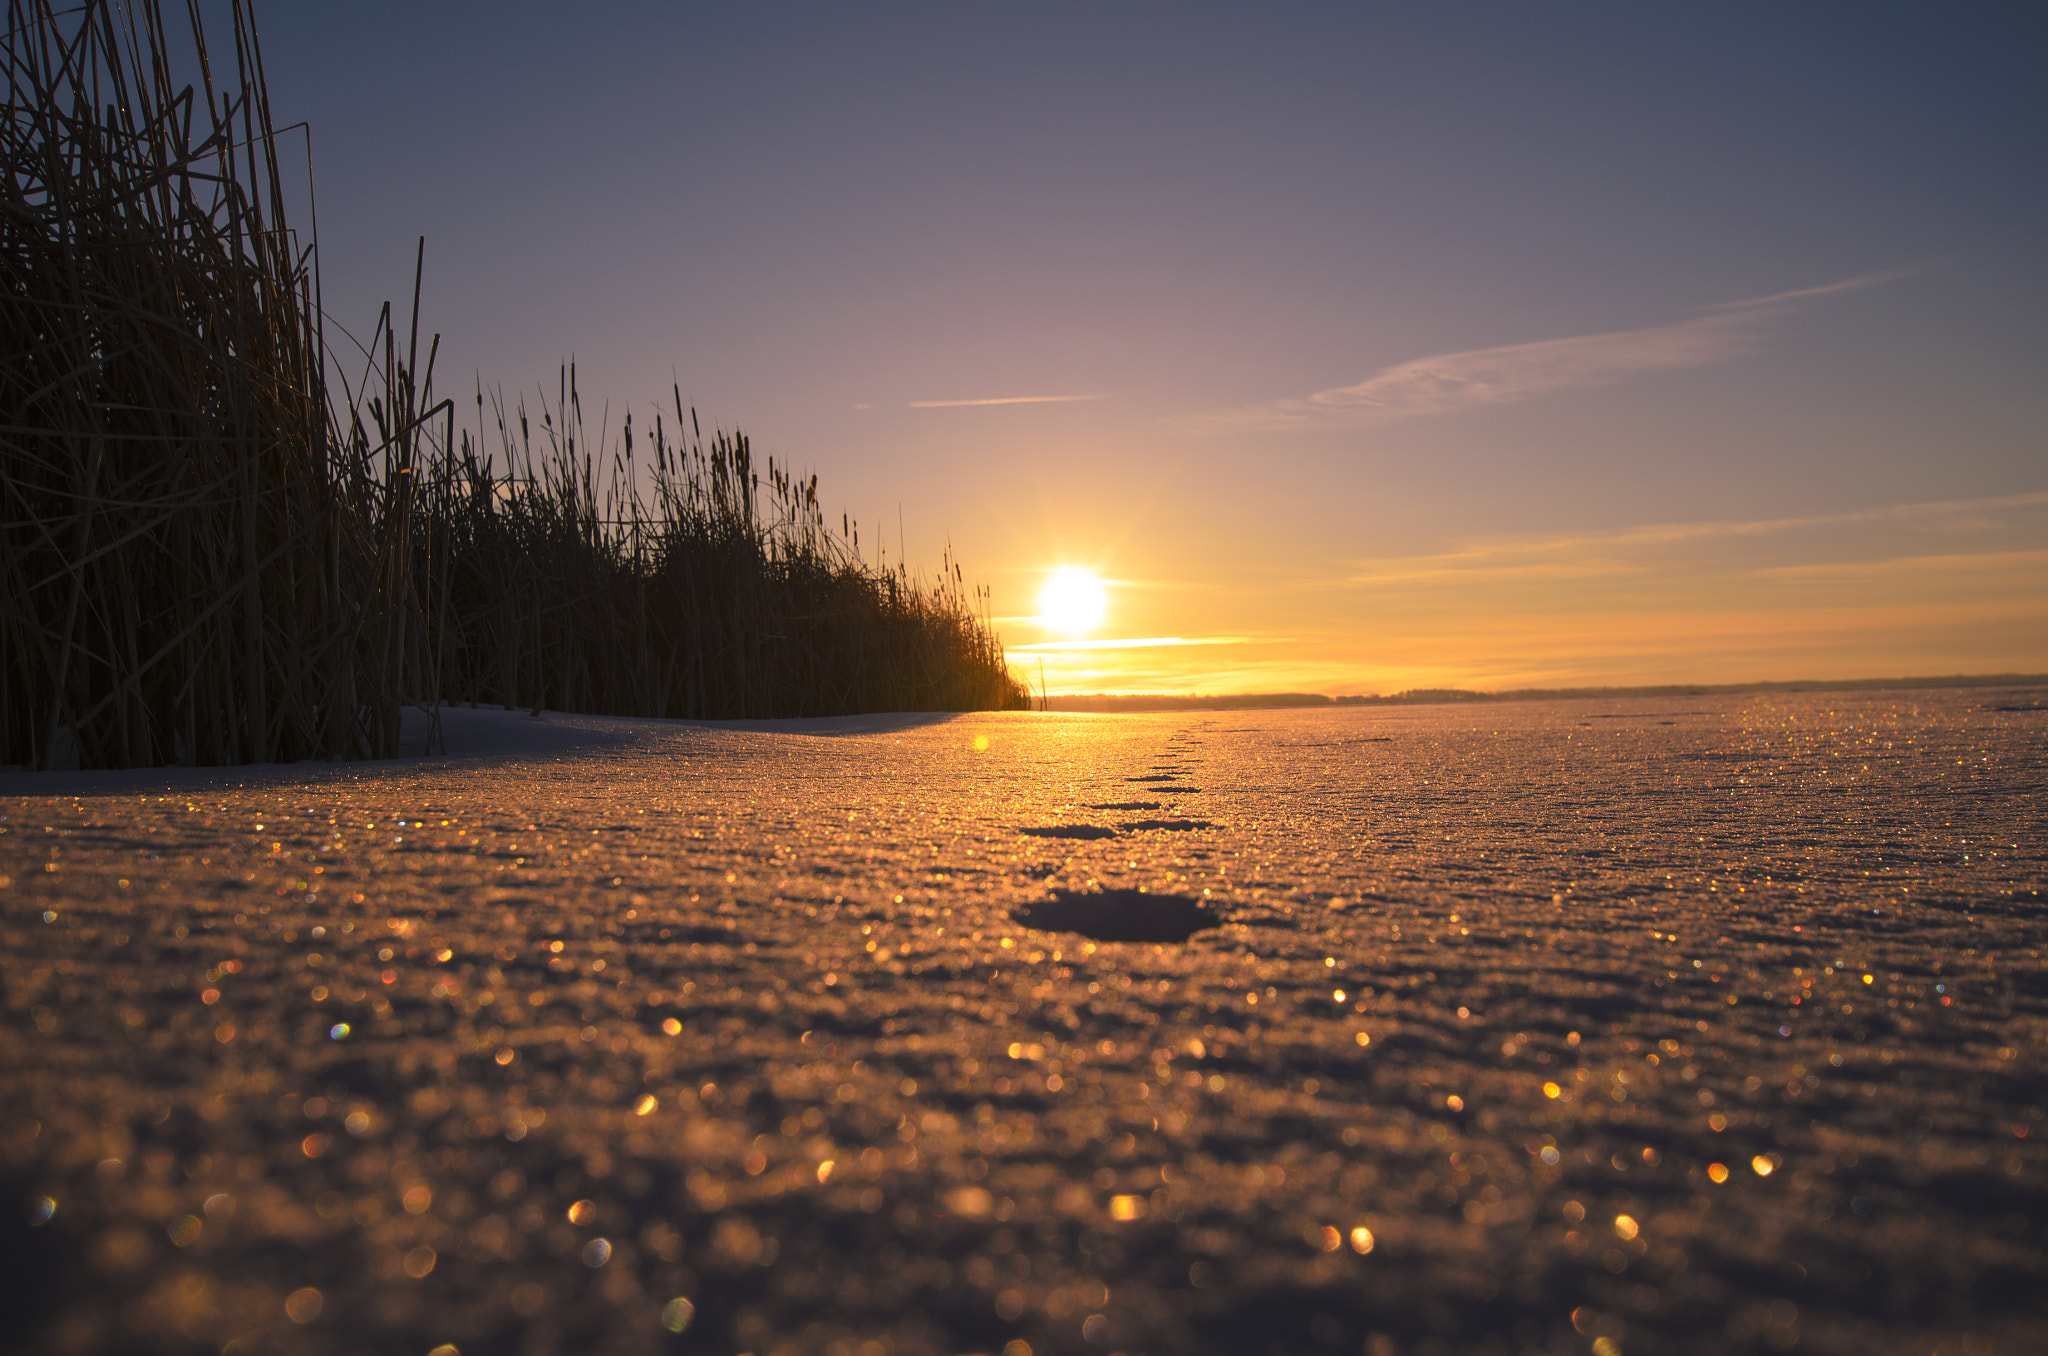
{"type": "Point", "coordinates": [1072, 601]}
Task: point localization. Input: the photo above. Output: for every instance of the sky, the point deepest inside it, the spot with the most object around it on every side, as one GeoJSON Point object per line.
{"type": "Point", "coordinates": [1355, 347]}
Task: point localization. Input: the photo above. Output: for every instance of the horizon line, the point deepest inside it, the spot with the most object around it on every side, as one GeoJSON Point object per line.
{"type": "Point", "coordinates": [1425, 694]}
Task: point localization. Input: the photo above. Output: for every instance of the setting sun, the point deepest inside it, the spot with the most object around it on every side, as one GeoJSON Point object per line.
{"type": "Point", "coordinates": [1072, 601]}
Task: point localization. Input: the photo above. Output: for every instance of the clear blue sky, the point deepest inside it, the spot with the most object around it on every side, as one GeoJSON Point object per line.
{"type": "Point", "coordinates": [1425, 345]}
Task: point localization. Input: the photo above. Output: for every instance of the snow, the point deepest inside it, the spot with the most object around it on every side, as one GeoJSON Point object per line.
{"type": "Point", "coordinates": [1490, 996]}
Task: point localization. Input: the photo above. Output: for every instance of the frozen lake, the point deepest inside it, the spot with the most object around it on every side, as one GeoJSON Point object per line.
{"type": "Point", "coordinates": [1653, 1025]}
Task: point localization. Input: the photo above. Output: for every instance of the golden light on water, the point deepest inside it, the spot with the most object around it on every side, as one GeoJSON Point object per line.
{"type": "Point", "coordinates": [1073, 602]}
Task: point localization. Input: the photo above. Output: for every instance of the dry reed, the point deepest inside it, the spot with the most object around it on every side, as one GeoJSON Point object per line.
{"type": "Point", "coordinates": [690, 586]}
{"type": "Point", "coordinates": [187, 569]}
{"type": "Point", "coordinates": [209, 554]}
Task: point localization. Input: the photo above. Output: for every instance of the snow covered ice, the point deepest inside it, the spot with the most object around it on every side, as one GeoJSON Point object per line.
{"type": "Point", "coordinates": [1651, 1025]}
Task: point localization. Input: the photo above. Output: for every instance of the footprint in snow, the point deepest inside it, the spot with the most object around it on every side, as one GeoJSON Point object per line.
{"type": "Point", "coordinates": [1120, 915]}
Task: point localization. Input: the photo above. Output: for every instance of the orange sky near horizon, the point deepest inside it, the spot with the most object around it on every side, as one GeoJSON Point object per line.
{"type": "Point", "coordinates": [1914, 590]}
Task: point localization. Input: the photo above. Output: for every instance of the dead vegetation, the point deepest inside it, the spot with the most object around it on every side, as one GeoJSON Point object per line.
{"type": "Point", "coordinates": [216, 547]}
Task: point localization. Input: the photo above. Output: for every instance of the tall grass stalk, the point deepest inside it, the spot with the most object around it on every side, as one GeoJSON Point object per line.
{"type": "Point", "coordinates": [216, 547]}
{"type": "Point", "coordinates": [660, 573]}
{"type": "Point", "coordinates": [188, 570]}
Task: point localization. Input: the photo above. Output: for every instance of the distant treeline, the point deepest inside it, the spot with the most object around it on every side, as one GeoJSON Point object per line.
{"type": "Point", "coordinates": [217, 547]}
{"type": "Point", "coordinates": [1434, 696]}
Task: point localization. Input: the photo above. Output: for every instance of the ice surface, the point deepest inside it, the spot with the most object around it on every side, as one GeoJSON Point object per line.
{"type": "Point", "coordinates": [1700, 1025]}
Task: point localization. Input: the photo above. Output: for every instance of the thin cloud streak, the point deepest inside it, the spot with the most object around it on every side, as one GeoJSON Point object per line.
{"type": "Point", "coordinates": [1143, 643]}
{"type": "Point", "coordinates": [1855, 284]}
{"type": "Point", "coordinates": [1004, 400]}
{"type": "Point", "coordinates": [1522, 558]}
{"type": "Point", "coordinates": [2004, 564]}
{"type": "Point", "coordinates": [1497, 376]}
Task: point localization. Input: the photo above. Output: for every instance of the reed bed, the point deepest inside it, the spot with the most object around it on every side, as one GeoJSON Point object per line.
{"type": "Point", "coordinates": [660, 574]}
{"type": "Point", "coordinates": [217, 548]}
{"type": "Point", "coordinates": [189, 573]}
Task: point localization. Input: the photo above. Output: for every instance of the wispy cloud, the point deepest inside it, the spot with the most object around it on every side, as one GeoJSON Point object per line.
{"type": "Point", "coordinates": [1004, 400]}
{"type": "Point", "coordinates": [2017, 565]}
{"type": "Point", "coordinates": [1139, 643]}
{"type": "Point", "coordinates": [1616, 551]}
{"type": "Point", "coordinates": [1512, 372]}
{"type": "Point", "coordinates": [1856, 284]}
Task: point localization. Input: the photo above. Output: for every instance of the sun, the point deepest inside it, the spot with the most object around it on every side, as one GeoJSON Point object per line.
{"type": "Point", "coordinates": [1072, 601]}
